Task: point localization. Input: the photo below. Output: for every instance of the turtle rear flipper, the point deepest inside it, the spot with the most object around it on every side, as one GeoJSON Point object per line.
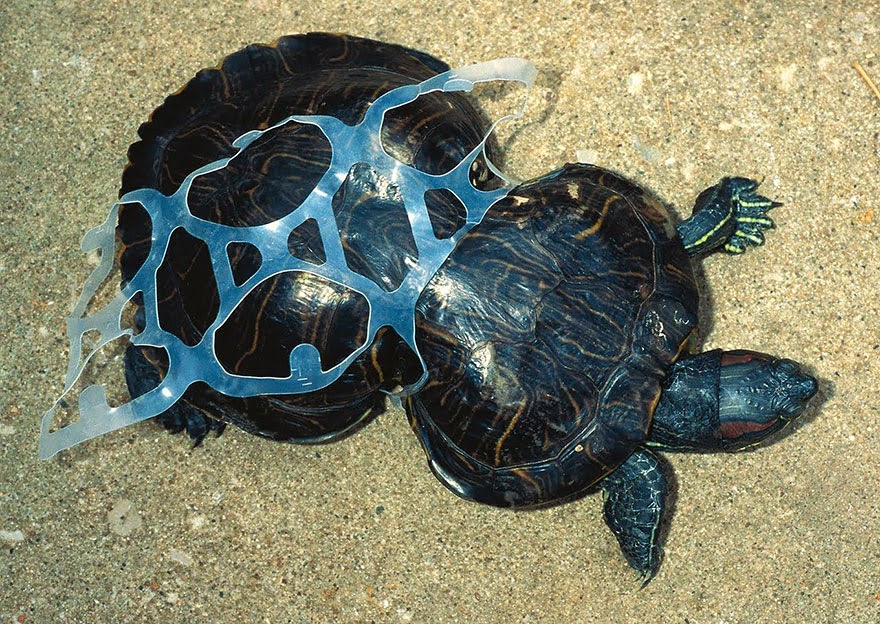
{"type": "Point", "coordinates": [141, 376]}
{"type": "Point", "coordinates": [635, 498]}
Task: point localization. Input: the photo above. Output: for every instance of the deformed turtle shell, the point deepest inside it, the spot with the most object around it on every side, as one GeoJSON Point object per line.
{"type": "Point", "coordinates": [254, 89]}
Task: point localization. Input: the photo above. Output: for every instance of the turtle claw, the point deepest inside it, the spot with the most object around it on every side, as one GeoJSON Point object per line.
{"type": "Point", "coordinates": [196, 424]}
{"type": "Point", "coordinates": [750, 215]}
{"type": "Point", "coordinates": [142, 376]}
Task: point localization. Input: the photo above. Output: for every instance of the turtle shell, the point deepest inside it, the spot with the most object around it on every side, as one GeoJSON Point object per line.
{"type": "Point", "coordinates": [254, 89]}
{"type": "Point", "coordinates": [547, 335]}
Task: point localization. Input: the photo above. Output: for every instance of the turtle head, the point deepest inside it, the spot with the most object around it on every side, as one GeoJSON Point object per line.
{"type": "Point", "coordinates": [758, 395]}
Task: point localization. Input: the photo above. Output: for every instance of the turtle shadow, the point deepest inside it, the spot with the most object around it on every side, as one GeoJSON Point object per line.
{"type": "Point", "coordinates": [542, 91]}
{"type": "Point", "coordinates": [706, 310]}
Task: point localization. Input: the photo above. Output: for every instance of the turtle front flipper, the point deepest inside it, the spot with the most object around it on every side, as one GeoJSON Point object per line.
{"type": "Point", "coordinates": [635, 498]}
{"type": "Point", "coordinates": [729, 215]}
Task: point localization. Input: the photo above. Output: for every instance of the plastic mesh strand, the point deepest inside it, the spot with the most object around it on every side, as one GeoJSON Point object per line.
{"type": "Point", "coordinates": [187, 364]}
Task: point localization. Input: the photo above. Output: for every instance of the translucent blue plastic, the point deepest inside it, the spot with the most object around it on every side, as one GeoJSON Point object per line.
{"type": "Point", "coordinates": [188, 364]}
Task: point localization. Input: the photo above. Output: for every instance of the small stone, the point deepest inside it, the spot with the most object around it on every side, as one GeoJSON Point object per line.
{"type": "Point", "coordinates": [11, 537]}
{"type": "Point", "coordinates": [865, 216]}
{"type": "Point", "coordinates": [180, 557]}
{"type": "Point", "coordinates": [587, 156]}
{"type": "Point", "coordinates": [123, 519]}
{"type": "Point", "coordinates": [687, 170]}
{"type": "Point", "coordinates": [786, 76]}
{"type": "Point", "coordinates": [634, 83]}
{"type": "Point", "coordinates": [649, 153]}
{"type": "Point", "coordinates": [93, 257]}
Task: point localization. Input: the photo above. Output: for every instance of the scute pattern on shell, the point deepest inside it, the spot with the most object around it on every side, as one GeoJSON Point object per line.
{"type": "Point", "coordinates": [254, 88]}
{"type": "Point", "coordinates": [547, 333]}
{"type": "Point", "coordinates": [540, 337]}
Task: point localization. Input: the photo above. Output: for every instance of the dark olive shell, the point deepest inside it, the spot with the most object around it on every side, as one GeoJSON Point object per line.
{"type": "Point", "coordinates": [254, 89]}
{"type": "Point", "coordinates": [547, 335]}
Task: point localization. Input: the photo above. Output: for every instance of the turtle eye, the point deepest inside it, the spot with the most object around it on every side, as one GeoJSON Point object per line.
{"type": "Point", "coordinates": [787, 367]}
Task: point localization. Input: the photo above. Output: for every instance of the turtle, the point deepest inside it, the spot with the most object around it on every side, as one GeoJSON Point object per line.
{"type": "Point", "coordinates": [559, 337]}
